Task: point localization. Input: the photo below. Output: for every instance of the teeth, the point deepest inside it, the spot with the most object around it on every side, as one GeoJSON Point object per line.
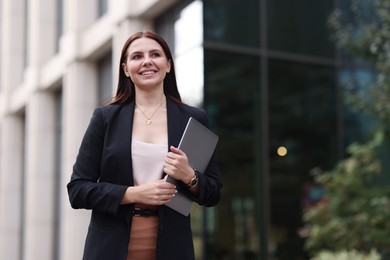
{"type": "Point", "coordinates": [147, 72]}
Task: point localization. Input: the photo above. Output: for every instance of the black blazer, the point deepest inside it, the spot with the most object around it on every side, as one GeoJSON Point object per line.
{"type": "Point", "coordinates": [103, 171]}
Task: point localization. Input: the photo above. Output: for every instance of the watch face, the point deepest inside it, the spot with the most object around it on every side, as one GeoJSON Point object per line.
{"type": "Point", "coordinates": [194, 182]}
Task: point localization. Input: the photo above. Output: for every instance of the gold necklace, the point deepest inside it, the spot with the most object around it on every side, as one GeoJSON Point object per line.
{"type": "Point", "coordinates": [149, 119]}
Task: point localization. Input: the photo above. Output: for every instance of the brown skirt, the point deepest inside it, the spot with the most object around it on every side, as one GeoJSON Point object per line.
{"type": "Point", "coordinates": [143, 235]}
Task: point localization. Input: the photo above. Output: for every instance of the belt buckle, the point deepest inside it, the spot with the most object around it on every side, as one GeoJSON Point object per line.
{"type": "Point", "coordinates": [138, 212]}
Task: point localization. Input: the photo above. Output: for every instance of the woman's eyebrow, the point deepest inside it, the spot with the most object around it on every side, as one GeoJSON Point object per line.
{"type": "Point", "coordinates": [140, 52]}
{"type": "Point", "coordinates": [156, 50]}
{"type": "Point", "coordinates": [136, 52]}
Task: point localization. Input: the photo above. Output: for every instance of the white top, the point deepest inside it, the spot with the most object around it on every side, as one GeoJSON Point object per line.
{"type": "Point", "coordinates": [148, 161]}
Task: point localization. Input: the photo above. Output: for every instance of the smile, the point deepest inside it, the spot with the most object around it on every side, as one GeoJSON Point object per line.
{"type": "Point", "coordinates": [148, 72]}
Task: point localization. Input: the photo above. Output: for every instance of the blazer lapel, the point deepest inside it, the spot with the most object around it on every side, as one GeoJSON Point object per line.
{"type": "Point", "coordinates": [125, 128]}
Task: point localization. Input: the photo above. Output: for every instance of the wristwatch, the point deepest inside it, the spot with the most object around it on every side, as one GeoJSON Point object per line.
{"type": "Point", "coordinates": [194, 181]}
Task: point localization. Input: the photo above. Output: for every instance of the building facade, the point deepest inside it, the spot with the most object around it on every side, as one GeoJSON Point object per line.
{"type": "Point", "coordinates": [266, 71]}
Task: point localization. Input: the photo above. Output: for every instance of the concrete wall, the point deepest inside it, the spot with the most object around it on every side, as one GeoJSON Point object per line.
{"type": "Point", "coordinates": [36, 221]}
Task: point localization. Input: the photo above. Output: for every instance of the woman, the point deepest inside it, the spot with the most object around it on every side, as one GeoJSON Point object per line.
{"type": "Point", "coordinates": [128, 148]}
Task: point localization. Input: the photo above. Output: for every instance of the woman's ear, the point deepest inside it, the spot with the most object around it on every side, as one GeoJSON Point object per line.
{"type": "Point", "coordinates": [125, 69]}
{"type": "Point", "coordinates": [169, 66]}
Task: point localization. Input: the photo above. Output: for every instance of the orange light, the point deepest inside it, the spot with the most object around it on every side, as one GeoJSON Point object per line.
{"type": "Point", "coordinates": [282, 151]}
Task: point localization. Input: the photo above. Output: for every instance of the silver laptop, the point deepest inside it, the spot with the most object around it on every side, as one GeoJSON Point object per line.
{"type": "Point", "coordinates": [198, 143]}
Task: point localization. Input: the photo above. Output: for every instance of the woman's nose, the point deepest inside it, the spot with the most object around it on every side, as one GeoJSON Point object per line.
{"type": "Point", "coordinates": [147, 61]}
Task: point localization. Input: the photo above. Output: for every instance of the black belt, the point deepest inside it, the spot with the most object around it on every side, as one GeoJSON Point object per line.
{"type": "Point", "coordinates": [144, 212]}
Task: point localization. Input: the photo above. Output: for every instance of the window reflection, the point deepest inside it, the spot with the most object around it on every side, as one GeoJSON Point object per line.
{"type": "Point", "coordinates": [58, 166]}
{"type": "Point", "coordinates": [357, 125]}
{"type": "Point", "coordinates": [102, 7]}
{"type": "Point", "coordinates": [232, 22]}
{"type": "Point", "coordinates": [26, 36]}
{"type": "Point", "coordinates": [60, 22]}
{"type": "Point", "coordinates": [105, 79]}
{"type": "Point", "coordinates": [232, 87]}
{"type": "Point", "coordinates": [302, 102]}
{"type": "Point", "coordinates": [299, 26]}
{"type": "Point", "coordinates": [189, 53]}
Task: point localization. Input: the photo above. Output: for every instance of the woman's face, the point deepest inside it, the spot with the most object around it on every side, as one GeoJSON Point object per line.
{"type": "Point", "coordinates": [146, 63]}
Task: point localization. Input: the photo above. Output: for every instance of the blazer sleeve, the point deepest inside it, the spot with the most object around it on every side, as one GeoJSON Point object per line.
{"type": "Point", "coordinates": [84, 189]}
{"type": "Point", "coordinates": [209, 181]}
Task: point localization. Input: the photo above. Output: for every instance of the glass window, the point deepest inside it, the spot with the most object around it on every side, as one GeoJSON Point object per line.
{"type": "Point", "coordinates": [303, 136]}
{"type": "Point", "coordinates": [26, 54]}
{"type": "Point", "coordinates": [232, 22]}
{"type": "Point", "coordinates": [182, 28]}
{"type": "Point", "coordinates": [23, 182]}
{"type": "Point", "coordinates": [60, 22]}
{"type": "Point", "coordinates": [103, 7]}
{"type": "Point", "coordinates": [189, 53]}
{"type": "Point", "coordinates": [357, 126]}
{"type": "Point", "coordinates": [105, 79]}
{"type": "Point", "coordinates": [58, 177]}
{"type": "Point", "coordinates": [299, 27]}
{"type": "Point", "coordinates": [356, 13]}
{"type": "Point", "coordinates": [231, 94]}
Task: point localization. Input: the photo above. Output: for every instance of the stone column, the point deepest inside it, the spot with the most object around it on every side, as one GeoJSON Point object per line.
{"type": "Point", "coordinates": [12, 43]}
{"type": "Point", "coordinates": [11, 186]}
{"type": "Point", "coordinates": [39, 194]}
{"type": "Point", "coordinates": [80, 98]}
{"type": "Point", "coordinates": [42, 31]}
{"type": "Point", "coordinates": [11, 129]}
{"type": "Point", "coordinates": [40, 177]}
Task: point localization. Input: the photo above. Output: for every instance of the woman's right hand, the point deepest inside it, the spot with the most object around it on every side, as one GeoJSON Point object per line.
{"type": "Point", "coordinates": [152, 193]}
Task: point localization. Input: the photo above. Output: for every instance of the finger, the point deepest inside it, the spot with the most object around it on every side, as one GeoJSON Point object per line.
{"type": "Point", "coordinates": [167, 169]}
{"type": "Point", "coordinates": [176, 150]}
{"type": "Point", "coordinates": [168, 194]}
{"type": "Point", "coordinates": [171, 156]}
{"type": "Point", "coordinates": [171, 168]}
{"type": "Point", "coordinates": [169, 161]}
{"type": "Point", "coordinates": [164, 198]}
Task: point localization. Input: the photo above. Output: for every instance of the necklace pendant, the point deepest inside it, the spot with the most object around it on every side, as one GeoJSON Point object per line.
{"type": "Point", "coordinates": [148, 122]}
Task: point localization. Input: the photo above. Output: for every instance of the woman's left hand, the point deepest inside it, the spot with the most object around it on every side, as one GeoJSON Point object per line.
{"type": "Point", "coordinates": [176, 165]}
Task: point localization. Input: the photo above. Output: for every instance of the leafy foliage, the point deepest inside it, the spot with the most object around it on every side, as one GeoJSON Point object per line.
{"type": "Point", "coordinates": [347, 255]}
{"type": "Point", "coordinates": [355, 212]}
{"type": "Point", "coordinates": [368, 39]}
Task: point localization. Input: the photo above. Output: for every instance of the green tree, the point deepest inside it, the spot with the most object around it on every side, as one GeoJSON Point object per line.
{"type": "Point", "coordinates": [355, 212]}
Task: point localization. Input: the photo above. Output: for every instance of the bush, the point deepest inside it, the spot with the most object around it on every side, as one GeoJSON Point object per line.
{"type": "Point", "coordinates": [353, 217]}
{"type": "Point", "coordinates": [347, 255]}
{"type": "Point", "coordinates": [355, 213]}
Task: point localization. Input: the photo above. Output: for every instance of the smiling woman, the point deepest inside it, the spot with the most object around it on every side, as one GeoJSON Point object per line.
{"type": "Point", "coordinates": [128, 149]}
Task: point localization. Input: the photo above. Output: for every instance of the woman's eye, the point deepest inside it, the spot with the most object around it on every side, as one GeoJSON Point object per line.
{"type": "Point", "coordinates": [136, 57]}
{"type": "Point", "coordinates": [156, 54]}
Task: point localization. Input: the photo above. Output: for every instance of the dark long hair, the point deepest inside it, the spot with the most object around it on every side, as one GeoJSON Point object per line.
{"type": "Point", "coordinates": [126, 89]}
